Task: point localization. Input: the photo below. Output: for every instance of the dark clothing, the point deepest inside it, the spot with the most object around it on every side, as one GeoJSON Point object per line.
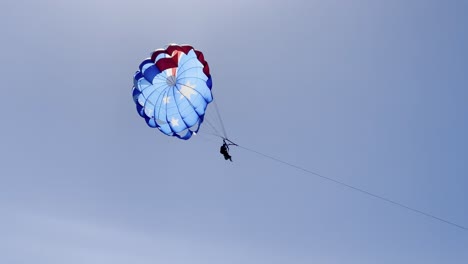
{"type": "Point", "coordinates": [224, 150]}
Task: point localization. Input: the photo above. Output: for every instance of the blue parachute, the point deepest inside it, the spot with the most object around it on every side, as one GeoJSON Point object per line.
{"type": "Point", "coordinates": [172, 90]}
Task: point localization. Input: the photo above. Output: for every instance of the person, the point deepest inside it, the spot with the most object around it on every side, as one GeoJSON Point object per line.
{"type": "Point", "coordinates": [225, 151]}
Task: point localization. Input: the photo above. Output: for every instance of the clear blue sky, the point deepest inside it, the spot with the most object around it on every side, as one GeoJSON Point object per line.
{"type": "Point", "coordinates": [372, 93]}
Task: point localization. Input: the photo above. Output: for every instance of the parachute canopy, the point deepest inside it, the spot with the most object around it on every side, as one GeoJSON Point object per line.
{"type": "Point", "coordinates": [172, 90]}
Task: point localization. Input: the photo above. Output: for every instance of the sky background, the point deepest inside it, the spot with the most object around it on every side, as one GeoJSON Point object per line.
{"type": "Point", "coordinates": [371, 93]}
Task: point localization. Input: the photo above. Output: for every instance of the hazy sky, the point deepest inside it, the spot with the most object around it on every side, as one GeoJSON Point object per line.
{"type": "Point", "coordinates": [372, 93]}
